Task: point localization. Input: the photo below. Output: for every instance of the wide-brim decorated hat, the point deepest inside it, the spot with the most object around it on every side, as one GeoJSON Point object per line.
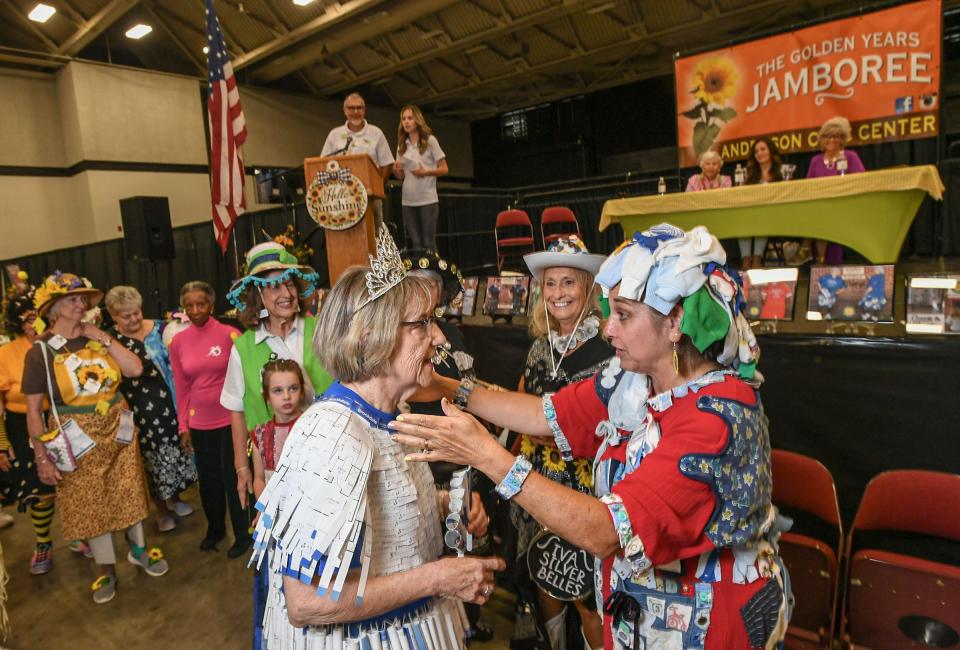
{"type": "Point", "coordinates": [59, 285]}
{"type": "Point", "coordinates": [567, 252]}
{"type": "Point", "coordinates": [420, 259]}
{"type": "Point", "coordinates": [267, 257]}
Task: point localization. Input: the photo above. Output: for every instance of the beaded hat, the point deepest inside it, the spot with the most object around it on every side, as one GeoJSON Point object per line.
{"type": "Point", "coordinates": [267, 257]}
{"type": "Point", "coordinates": [426, 260]}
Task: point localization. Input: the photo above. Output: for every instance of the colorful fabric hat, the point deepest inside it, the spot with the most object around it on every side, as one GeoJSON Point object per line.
{"type": "Point", "coordinates": [267, 257]}
{"type": "Point", "coordinates": [664, 266]}
{"type": "Point", "coordinates": [569, 252]}
{"type": "Point", "coordinates": [418, 259]}
{"type": "Point", "coordinates": [61, 284]}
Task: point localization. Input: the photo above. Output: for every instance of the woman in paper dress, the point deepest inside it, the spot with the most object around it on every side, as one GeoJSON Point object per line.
{"type": "Point", "coordinates": [350, 530]}
{"type": "Point", "coordinates": [103, 490]}
{"type": "Point", "coordinates": [681, 521]}
{"type": "Point", "coordinates": [568, 347]}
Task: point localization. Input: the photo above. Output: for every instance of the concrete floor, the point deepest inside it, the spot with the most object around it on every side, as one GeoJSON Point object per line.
{"type": "Point", "coordinates": [204, 601]}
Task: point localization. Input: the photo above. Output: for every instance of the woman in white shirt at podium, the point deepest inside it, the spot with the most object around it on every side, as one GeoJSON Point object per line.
{"type": "Point", "coordinates": [420, 160]}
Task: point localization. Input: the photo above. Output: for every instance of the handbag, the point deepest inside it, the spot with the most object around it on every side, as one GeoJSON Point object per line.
{"type": "Point", "coordinates": [559, 568]}
{"type": "Point", "coordinates": [55, 441]}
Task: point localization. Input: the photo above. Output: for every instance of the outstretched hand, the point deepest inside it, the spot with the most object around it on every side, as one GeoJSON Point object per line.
{"type": "Point", "coordinates": [456, 438]}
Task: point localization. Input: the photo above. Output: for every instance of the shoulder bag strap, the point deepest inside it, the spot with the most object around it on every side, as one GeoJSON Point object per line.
{"type": "Point", "coordinates": [53, 403]}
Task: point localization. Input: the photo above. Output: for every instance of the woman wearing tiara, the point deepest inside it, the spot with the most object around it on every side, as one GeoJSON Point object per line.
{"type": "Point", "coordinates": [350, 530]}
{"type": "Point", "coordinates": [569, 347]}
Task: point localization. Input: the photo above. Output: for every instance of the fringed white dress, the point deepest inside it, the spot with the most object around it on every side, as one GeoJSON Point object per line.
{"type": "Point", "coordinates": [343, 499]}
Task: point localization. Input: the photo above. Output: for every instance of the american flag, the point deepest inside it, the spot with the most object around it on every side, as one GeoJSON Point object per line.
{"type": "Point", "coordinates": [228, 130]}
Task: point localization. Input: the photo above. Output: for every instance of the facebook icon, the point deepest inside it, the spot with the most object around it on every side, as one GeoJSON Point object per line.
{"type": "Point", "coordinates": [904, 104]}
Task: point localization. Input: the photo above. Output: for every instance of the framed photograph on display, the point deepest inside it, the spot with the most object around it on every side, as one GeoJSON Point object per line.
{"type": "Point", "coordinates": [506, 295]}
{"type": "Point", "coordinates": [770, 293]}
{"type": "Point", "coordinates": [534, 294]}
{"type": "Point", "coordinates": [469, 303]}
{"type": "Point", "coordinates": [933, 304]}
{"type": "Point", "coordinates": [851, 293]}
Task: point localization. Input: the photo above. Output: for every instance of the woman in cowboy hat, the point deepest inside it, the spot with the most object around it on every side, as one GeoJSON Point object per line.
{"type": "Point", "coordinates": [90, 452]}
{"type": "Point", "coordinates": [568, 346]}
{"type": "Point", "coordinates": [268, 298]}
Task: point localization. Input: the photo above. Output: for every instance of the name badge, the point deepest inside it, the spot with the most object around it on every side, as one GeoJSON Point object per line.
{"type": "Point", "coordinates": [91, 386]}
{"type": "Point", "coordinates": [57, 341]}
{"type": "Point", "coordinates": [72, 362]}
{"type": "Point", "coordinates": [80, 442]}
{"type": "Point", "coordinates": [125, 430]}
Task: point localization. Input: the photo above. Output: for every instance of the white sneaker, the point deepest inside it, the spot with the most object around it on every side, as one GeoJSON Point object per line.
{"type": "Point", "coordinates": [182, 508]}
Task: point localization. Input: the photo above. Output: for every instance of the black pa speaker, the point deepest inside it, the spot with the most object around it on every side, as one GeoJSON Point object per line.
{"type": "Point", "coordinates": [146, 228]}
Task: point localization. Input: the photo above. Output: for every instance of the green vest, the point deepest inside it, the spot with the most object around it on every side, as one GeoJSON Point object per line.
{"type": "Point", "coordinates": [253, 356]}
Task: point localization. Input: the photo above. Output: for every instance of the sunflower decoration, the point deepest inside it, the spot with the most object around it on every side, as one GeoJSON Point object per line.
{"type": "Point", "coordinates": [583, 472]}
{"type": "Point", "coordinates": [290, 239]}
{"type": "Point", "coordinates": [552, 460]}
{"type": "Point", "coordinates": [714, 83]}
{"type": "Point", "coordinates": [91, 373]}
{"type": "Point", "coordinates": [527, 448]}
{"type": "Point", "coordinates": [154, 555]}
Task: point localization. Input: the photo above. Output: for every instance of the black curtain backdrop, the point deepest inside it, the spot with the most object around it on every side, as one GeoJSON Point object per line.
{"type": "Point", "coordinates": [860, 406]}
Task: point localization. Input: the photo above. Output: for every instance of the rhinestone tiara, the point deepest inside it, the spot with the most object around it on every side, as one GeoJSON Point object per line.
{"type": "Point", "coordinates": [386, 269]}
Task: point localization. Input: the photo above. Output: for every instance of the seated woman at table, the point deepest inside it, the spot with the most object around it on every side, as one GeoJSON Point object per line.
{"type": "Point", "coordinates": [762, 167]}
{"type": "Point", "coordinates": [709, 177]}
{"type": "Point", "coordinates": [834, 159]}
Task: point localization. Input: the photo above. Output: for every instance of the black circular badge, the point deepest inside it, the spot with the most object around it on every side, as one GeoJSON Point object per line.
{"type": "Point", "coordinates": [560, 568]}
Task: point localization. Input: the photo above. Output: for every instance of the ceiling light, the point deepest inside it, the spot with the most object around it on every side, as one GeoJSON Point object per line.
{"type": "Point", "coordinates": [206, 50]}
{"type": "Point", "coordinates": [138, 31]}
{"type": "Point", "coordinates": [41, 13]}
{"type": "Point", "coordinates": [302, 3]}
{"type": "Point", "coordinates": [933, 283]}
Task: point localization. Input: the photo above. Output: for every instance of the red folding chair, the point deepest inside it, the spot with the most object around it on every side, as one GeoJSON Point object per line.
{"type": "Point", "coordinates": [801, 483]}
{"type": "Point", "coordinates": [514, 236]}
{"type": "Point", "coordinates": [561, 218]}
{"type": "Point", "coordinates": [898, 600]}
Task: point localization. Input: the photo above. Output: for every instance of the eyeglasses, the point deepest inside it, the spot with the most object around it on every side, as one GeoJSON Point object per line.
{"type": "Point", "coordinates": [425, 323]}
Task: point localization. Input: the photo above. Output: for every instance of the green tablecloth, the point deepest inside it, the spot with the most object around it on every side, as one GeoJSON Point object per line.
{"type": "Point", "coordinates": [869, 212]}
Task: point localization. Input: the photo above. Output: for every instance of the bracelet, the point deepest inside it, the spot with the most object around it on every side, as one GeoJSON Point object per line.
{"type": "Point", "coordinates": [513, 481]}
{"type": "Point", "coordinates": [464, 390]}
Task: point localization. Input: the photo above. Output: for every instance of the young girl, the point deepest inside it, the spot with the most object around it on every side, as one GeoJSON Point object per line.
{"type": "Point", "coordinates": [283, 390]}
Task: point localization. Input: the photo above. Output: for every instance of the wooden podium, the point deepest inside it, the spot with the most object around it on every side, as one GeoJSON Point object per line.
{"type": "Point", "coordinates": [351, 246]}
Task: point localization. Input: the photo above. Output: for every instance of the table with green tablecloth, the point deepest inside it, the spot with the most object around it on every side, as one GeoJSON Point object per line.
{"type": "Point", "coordinates": [870, 212]}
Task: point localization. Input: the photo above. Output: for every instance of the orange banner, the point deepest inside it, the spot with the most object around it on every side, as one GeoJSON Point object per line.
{"type": "Point", "coordinates": [879, 70]}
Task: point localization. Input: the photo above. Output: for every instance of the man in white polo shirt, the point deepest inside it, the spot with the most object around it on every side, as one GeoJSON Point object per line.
{"type": "Point", "coordinates": [359, 136]}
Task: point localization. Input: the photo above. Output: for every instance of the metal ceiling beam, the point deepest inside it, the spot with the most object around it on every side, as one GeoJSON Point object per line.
{"type": "Point", "coordinates": [318, 49]}
{"type": "Point", "coordinates": [100, 22]}
{"type": "Point", "coordinates": [634, 38]}
{"type": "Point", "coordinates": [31, 26]}
{"type": "Point", "coordinates": [332, 16]}
{"type": "Point", "coordinates": [505, 25]}
{"type": "Point", "coordinates": [192, 56]}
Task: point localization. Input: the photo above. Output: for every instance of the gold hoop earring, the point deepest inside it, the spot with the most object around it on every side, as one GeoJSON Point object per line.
{"type": "Point", "coordinates": [676, 359]}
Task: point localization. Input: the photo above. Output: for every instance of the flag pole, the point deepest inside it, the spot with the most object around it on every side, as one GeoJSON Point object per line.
{"type": "Point", "coordinates": [236, 253]}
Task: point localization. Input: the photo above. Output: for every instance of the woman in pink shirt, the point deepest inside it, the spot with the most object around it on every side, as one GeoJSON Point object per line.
{"type": "Point", "coordinates": [199, 356]}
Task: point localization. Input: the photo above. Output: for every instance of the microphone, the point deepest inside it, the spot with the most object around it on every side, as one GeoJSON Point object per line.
{"type": "Point", "coordinates": [346, 147]}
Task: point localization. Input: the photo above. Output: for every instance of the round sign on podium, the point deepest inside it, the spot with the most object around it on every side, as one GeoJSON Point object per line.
{"type": "Point", "coordinates": [336, 199]}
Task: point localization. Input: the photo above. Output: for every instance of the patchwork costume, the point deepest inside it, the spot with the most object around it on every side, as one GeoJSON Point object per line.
{"type": "Point", "coordinates": [685, 474]}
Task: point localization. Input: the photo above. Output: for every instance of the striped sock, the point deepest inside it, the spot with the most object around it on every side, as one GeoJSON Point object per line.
{"type": "Point", "coordinates": [41, 514]}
